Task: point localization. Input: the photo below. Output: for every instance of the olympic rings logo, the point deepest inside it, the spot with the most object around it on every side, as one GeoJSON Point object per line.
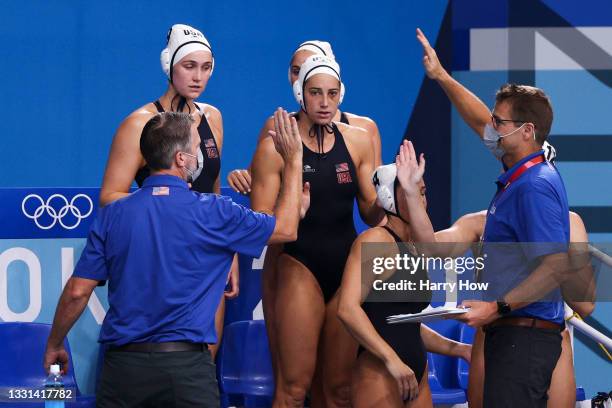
{"type": "Point", "coordinates": [45, 207]}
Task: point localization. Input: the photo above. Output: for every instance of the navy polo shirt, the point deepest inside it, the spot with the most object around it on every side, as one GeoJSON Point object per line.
{"type": "Point", "coordinates": [166, 252]}
{"type": "Point", "coordinates": [533, 211]}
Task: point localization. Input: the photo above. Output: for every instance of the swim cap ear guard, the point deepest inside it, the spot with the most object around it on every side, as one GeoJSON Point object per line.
{"type": "Point", "coordinates": [316, 64]}
{"type": "Point", "coordinates": [164, 59]}
{"type": "Point", "coordinates": [182, 40]}
{"type": "Point", "coordinates": [385, 182]}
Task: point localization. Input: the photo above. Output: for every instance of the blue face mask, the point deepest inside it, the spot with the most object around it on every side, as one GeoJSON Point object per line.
{"type": "Point", "coordinates": [492, 137]}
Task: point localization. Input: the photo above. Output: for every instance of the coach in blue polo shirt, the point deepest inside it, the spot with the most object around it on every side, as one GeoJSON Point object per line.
{"type": "Point", "coordinates": [526, 237]}
{"type": "Point", "coordinates": [165, 252]}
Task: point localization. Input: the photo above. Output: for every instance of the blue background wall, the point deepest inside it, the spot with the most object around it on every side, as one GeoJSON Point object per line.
{"type": "Point", "coordinates": [564, 48]}
{"type": "Point", "coordinates": [73, 70]}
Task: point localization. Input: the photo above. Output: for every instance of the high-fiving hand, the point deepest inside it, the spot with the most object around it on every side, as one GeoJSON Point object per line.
{"type": "Point", "coordinates": [410, 170]}
{"type": "Point", "coordinates": [286, 136]}
{"type": "Point", "coordinates": [433, 68]}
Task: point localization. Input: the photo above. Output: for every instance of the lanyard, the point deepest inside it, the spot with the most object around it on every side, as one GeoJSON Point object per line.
{"type": "Point", "coordinates": [519, 172]}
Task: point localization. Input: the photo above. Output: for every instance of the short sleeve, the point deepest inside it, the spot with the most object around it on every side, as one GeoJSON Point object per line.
{"type": "Point", "coordinates": [92, 263]}
{"type": "Point", "coordinates": [247, 232]}
{"type": "Point", "coordinates": [543, 220]}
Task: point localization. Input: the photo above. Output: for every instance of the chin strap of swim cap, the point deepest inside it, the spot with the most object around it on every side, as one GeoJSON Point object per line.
{"type": "Point", "coordinates": [316, 64]}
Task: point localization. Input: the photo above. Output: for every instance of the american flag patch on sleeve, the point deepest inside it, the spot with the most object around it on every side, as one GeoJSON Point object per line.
{"type": "Point", "coordinates": [158, 191]}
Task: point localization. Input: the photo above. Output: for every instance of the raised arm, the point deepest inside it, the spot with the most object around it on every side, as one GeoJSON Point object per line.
{"type": "Point", "coordinates": [124, 159]}
{"type": "Point", "coordinates": [277, 166]}
{"type": "Point", "coordinates": [410, 176]}
{"type": "Point", "coordinates": [457, 239]}
{"type": "Point", "coordinates": [473, 111]}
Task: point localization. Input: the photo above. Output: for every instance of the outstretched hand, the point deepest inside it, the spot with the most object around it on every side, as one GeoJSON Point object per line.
{"type": "Point", "coordinates": [433, 68]}
{"type": "Point", "coordinates": [286, 136]}
{"type": "Point", "coordinates": [410, 170]}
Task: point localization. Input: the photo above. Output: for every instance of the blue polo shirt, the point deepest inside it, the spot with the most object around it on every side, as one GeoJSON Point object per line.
{"type": "Point", "coordinates": [534, 212]}
{"type": "Point", "coordinates": [166, 252]}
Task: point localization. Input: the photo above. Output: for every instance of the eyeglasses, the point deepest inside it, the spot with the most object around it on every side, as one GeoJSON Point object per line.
{"type": "Point", "coordinates": [497, 121]}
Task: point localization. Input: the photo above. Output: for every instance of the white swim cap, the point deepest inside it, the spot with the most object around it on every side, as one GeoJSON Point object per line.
{"type": "Point", "coordinates": [316, 64]}
{"type": "Point", "coordinates": [384, 179]}
{"type": "Point", "coordinates": [318, 47]}
{"type": "Point", "coordinates": [183, 40]}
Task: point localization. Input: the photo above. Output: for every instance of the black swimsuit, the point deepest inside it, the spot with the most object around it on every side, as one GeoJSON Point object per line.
{"type": "Point", "coordinates": [404, 338]}
{"type": "Point", "coordinates": [327, 232]}
{"type": "Point", "coordinates": [212, 162]}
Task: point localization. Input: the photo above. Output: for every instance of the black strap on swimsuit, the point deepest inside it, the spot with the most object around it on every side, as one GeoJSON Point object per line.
{"type": "Point", "coordinates": [212, 161]}
{"type": "Point", "coordinates": [159, 106]}
{"type": "Point", "coordinates": [393, 234]}
{"type": "Point", "coordinates": [343, 118]}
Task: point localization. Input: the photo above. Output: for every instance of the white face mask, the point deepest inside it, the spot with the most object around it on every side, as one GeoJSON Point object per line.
{"type": "Point", "coordinates": [492, 137]}
{"type": "Point", "coordinates": [194, 174]}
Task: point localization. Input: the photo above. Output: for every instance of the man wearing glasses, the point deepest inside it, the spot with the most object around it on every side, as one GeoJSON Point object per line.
{"type": "Point", "coordinates": [522, 332]}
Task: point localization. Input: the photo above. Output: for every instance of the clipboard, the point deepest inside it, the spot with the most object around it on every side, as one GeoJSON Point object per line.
{"type": "Point", "coordinates": [436, 313]}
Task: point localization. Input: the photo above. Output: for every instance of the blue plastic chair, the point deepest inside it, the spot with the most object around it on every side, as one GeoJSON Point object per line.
{"type": "Point", "coordinates": [244, 364]}
{"type": "Point", "coordinates": [439, 393]}
{"type": "Point", "coordinates": [22, 348]}
{"type": "Point", "coordinates": [466, 335]}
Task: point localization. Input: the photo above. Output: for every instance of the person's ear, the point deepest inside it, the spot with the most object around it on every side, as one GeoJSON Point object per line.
{"type": "Point", "coordinates": [528, 131]}
{"type": "Point", "coordinates": [179, 159]}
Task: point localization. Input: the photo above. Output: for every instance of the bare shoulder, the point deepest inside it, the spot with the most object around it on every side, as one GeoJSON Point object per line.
{"type": "Point", "coordinates": [210, 111]}
{"type": "Point", "coordinates": [212, 115]}
{"type": "Point", "coordinates": [575, 218]}
{"type": "Point", "coordinates": [578, 232]}
{"type": "Point", "coordinates": [375, 234]}
{"type": "Point", "coordinates": [476, 217]}
{"type": "Point", "coordinates": [267, 150]}
{"type": "Point", "coordinates": [354, 135]}
{"type": "Point", "coordinates": [132, 125]}
{"type": "Point", "coordinates": [362, 122]}
{"type": "Point", "coordinates": [269, 123]}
